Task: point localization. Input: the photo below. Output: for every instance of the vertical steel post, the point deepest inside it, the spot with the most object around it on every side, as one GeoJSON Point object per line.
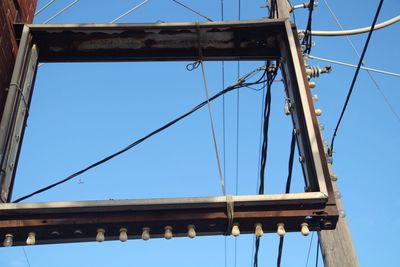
{"type": "Point", "coordinates": [16, 112]}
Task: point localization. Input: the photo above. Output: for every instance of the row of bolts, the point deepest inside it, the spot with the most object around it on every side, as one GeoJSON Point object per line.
{"type": "Point", "coordinates": [123, 233]}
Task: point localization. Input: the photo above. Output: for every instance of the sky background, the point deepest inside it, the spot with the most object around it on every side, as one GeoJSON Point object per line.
{"type": "Point", "coordinates": [83, 112]}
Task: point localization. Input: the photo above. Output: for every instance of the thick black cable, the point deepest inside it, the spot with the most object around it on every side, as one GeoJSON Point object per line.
{"type": "Point", "coordinates": [307, 40]}
{"type": "Point", "coordinates": [267, 111]}
{"type": "Point", "coordinates": [353, 82]}
{"type": "Point", "coordinates": [240, 83]}
{"type": "Point", "coordinates": [271, 72]}
{"type": "Point", "coordinates": [194, 11]}
{"type": "Point", "coordinates": [287, 190]}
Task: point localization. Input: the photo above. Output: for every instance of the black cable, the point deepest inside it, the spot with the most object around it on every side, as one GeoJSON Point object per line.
{"type": "Point", "coordinates": [330, 152]}
{"type": "Point", "coordinates": [270, 73]}
{"type": "Point", "coordinates": [240, 83]}
{"type": "Point", "coordinates": [255, 262]}
{"type": "Point", "coordinates": [194, 11]}
{"type": "Point", "coordinates": [287, 190]}
{"type": "Point", "coordinates": [307, 40]}
{"type": "Point", "coordinates": [267, 110]}
{"type": "Point", "coordinates": [316, 258]}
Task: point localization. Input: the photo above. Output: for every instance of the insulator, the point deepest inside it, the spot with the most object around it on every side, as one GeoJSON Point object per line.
{"type": "Point", "coordinates": [304, 229]}
{"type": "Point", "coordinates": [31, 240]}
{"type": "Point", "coordinates": [259, 231]}
{"type": "Point", "coordinates": [146, 233]}
{"type": "Point", "coordinates": [123, 234]}
{"type": "Point", "coordinates": [235, 230]}
{"type": "Point", "coordinates": [191, 231]}
{"type": "Point", "coordinates": [281, 229]}
{"type": "Point", "coordinates": [100, 235]}
{"type": "Point", "coordinates": [168, 232]}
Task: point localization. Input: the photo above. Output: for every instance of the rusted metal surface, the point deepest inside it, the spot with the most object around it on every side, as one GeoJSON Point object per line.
{"type": "Point", "coordinates": [58, 222]}
{"type": "Point", "coordinates": [249, 40]}
{"type": "Point", "coordinates": [210, 217]}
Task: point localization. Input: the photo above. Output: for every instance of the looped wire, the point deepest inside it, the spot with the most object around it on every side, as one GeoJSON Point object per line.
{"type": "Point", "coordinates": [196, 64]}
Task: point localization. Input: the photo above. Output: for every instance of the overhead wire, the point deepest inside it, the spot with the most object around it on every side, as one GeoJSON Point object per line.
{"type": "Point", "coordinates": [377, 86]}
{"type": "Point", "coordinates": [61, 11]}
{"type": "Point", "coordinates": [309, 248]}
{"type": "Point", "coordinates": [330, 152]}
{"type": "Point", "coordinates": [317, 254]}
{"type": "Point", "coordinates": [240, 83]}
{"type": "Point", "coordinates": [192, 10]}
{"type": "Point", "coordinates": [129, 11]}
{"type": "Point", "coordinates": [307, 40]}
{"type": "Point", "coordinates": [237, 133]}
{"type": "Point", "coordinates": [287, 189]}
{"type": "Point", "coordinates": [44, 7]}
{"type": "Point", "coordinates": [355, 66]}
{"type": "Point", "coordinates": [358, 30]}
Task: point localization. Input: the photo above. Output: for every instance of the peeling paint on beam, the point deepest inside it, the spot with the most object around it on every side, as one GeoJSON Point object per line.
{"type": "Point", "coordinates": [254, 40]}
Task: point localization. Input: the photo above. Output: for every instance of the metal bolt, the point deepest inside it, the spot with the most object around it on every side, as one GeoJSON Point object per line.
{"type": "Point", "coordinates": [334, 177]}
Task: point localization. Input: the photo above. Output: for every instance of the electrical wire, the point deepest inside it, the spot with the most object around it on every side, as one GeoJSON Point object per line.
{"type": "Point", "coordinates": [354, 66]}
{"type": "Point", "coordinates": [307, 40]}
{"type": "Point", "coordinates": [129, 11]}
{"type": "Point", "coordinates": [309, 248]}
{"type": "Point", "coordinates": [240, 83]}
{"type": "Point", "coordinates": [271, 72]}
{"type": "Point", "coordinates": [356, 31]}
{"type": "Point", "coordinates": [192, 10]}
{"type": "Point", "coordinates": [287, 190]}
{"type": "Point", "coordinates": [330, 152]}
{"type": "Point", "coordinates": [61, 11]}
{"type": "Point", "coordinates": [316, 257]}
{"type": "Point", "coordinates": [237, 133]}
{"type": "Point", "coordinates": [44, 7]}
{"type": "Point", "coordinates": [390, 106]}
{"type": "Point", "coordinates": [26, 257]}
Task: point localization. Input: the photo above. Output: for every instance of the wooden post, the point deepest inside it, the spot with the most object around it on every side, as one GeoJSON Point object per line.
{"type": "Point", "coordinates": [336, 245]}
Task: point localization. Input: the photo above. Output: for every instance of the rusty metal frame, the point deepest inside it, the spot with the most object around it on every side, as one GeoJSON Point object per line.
{"type": "Point", "coordinates": [58, 222]}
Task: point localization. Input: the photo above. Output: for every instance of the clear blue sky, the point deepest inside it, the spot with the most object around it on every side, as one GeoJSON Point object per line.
{"type": "Point", "coordinates": [82, 112]}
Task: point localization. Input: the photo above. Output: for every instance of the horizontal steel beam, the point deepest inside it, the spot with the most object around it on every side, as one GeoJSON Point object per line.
{"type": "Point", "coordinates": [233, 40]}
{"type": "Point", "coordinates": [60, 222]}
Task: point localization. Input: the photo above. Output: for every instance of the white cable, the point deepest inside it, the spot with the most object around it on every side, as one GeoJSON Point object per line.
{"type": "Point", "coordinates": [44, 7]}
{"type": "Point", "coordinates": [129, 11]}
{"type": "Point", "coordinates": [353, 66]}
{"type": "Point", "coordinates": [61, 11]}
{"type": "Point", "coordinates": [355, 31]}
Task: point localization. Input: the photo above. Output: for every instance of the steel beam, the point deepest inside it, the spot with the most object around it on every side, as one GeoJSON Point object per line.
{"type": "Point", "coordinates": [59, 222]}
{"type": "Point", "coordinates": [244, 40]}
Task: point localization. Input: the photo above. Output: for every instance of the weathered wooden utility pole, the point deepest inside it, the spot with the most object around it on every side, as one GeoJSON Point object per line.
{"type": "Point", "coordinates": [336, 245]}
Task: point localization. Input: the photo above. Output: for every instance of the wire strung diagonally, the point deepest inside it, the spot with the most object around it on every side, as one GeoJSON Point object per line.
{"type": "Point", "coordinates": [330, 152]}
{"type": "Point", "coordinates": [61, 11]}
{"type": "Point", "coordinates": [44, 7]}
{"type": "Point", "coordinates": [390, 106]}
{"type": "Point", "coordinates": [240, 83]}
{"type": "Point", "coordinates": [192, 10]}
{"type": "Point", "coordinates": [129, 11]}
{"type": "Point", "coordinates": [309, 249]}
{"type": "Point", "coordinates": [221, 176]}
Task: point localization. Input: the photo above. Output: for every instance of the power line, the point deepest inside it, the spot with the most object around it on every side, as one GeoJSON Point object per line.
{"type": "Point", "coordinates": [356, 31]}
{"type": "Point", "coordinates": [391, 108]}
{"type": "Point", "coordinates": [307, 40]}
{"type": "Point", "coordinates": [355, 77]}
{"type": "Point", "coordinates": [129, 11]}
{"type": "Point", "coordinates": [26, 257]}
{"type": "Point", "coordinates": [240, 83]}
{"type": "Point", "coordinates": [44, 7]}
{"type": "Point", "coordinates": [309, 248]}
{"type": "Point", "coordinates": [61, 11]}
{"type": "Point", "coordinates": [354, 66]}
{"type": "Point", "coordinates": [316, 257]}
{"type": "Point", "coordinates": [192, 10]}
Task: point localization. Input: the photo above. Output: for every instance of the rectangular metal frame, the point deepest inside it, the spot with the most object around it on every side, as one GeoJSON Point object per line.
{"type": "Point", "coordinates": [57, 222]}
